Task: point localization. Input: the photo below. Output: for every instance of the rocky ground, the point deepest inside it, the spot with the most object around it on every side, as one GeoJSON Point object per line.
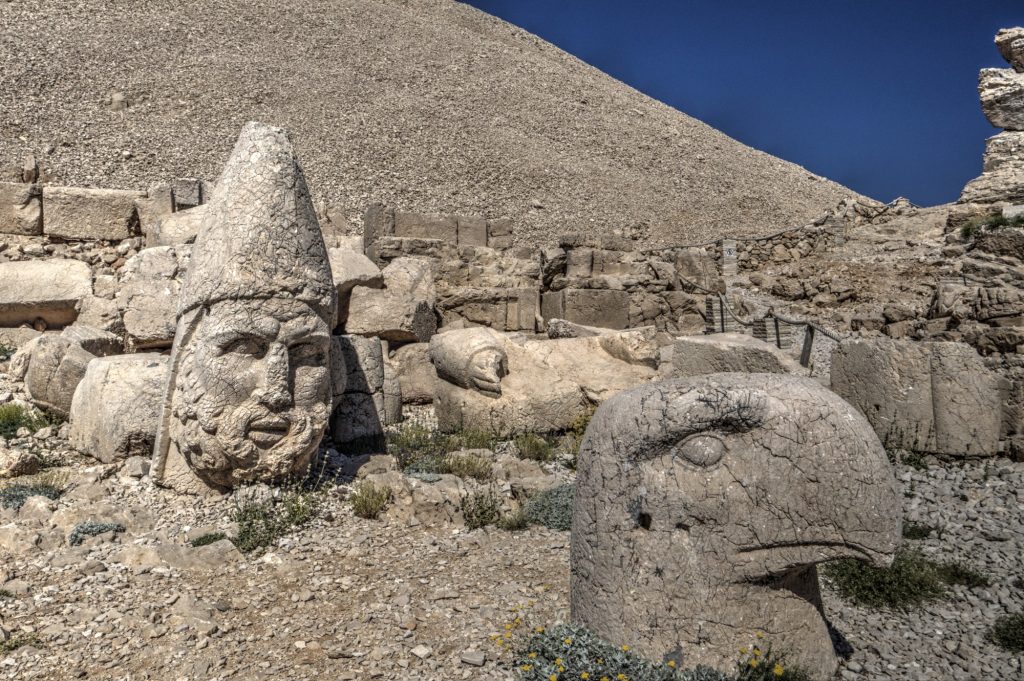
{"type": "Point", "coordinates": [425, 106]}
{"type": "Point", "coordinates": [348, 598]}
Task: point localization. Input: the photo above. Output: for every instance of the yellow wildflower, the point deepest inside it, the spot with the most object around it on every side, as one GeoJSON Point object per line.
{"type": "Point", "coordinates": [753, 662]}
{"type": "Point", "coordinates": [743, 651]}
{"type": "Point", "coordinates": [532, 656]}
{"type": "Point", "coordinates": [526, 667]}
{"type": "Point", "coordinates": [585, 676]}
{"type": "Point", "coordinates": [622, 677]}
{"type": "Point", "coordinates": [778, 669]}
{"type": "Point", "coordinates": [625, 648]}
{"type": "Point", "coordinates": [757, 652]}
{"type": "Point", "coordinates": [567, 641]}
{"type": "Point", "coordinates": [553, 677]}
{"type": "Point", "coordinates": [760, 634]}
{"type": "Point", "coordinates": [671, 663]}
{"type": "Point", "coordinates": [539, 630]}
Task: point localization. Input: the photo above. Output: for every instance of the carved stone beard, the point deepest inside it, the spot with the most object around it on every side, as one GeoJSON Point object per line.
{"type": "Point", "coordinates": [214, 438]}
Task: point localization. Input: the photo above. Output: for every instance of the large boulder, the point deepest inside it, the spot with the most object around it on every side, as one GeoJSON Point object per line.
{"type": "Point", "coordinates": [367, 402]}
{"type": "Point", "coordinates": [75, 213]}
{"type": "Point", "coordinates": [51, 367]}
{"type": "Point", "coordinates": [96, 341]}
{"type": "Point", "coordinates": [726, 352]}
{"type": "Point", "coordinates": [42, 289]}
{"type": "Point", "coordinates": [1002, 98]}
{"type": "Point", "coordinates": [703, 505]}
{"type": "Point", "coordinates": [1010, 42]}
{"type": "Point", "coordinates": [147, 295]}
{"type": "Point", "coordinates": [924, 397]}
{"type": "Point", "coordinates": [116, 407]}
{"type": "Point", "coordinates": [20, 209]}
{"type": "Point", "coordinates": [403, 310]}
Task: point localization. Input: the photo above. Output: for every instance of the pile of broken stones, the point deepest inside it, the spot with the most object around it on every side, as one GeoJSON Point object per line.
{"type": "Point", "coordinates": [181, 384]}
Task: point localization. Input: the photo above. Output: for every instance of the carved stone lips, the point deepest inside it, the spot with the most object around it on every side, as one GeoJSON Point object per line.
{"type": "Point", "coordinates": [268, 430]}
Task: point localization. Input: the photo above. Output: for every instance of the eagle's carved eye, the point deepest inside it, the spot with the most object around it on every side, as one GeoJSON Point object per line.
{"type": "Point", "coordinates": [701, 449]}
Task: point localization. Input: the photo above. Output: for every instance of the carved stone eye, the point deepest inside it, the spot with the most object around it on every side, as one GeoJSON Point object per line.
{"type": "Point", "coordinates": [701, 450]}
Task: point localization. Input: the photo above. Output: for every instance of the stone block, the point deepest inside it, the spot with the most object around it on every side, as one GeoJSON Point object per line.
{"type": "Point", "coordinates": [74, 213]}
{"type": "Point", "coordinates": [499, 233]}
{"type": "Point", "coordinates": [403, 311]}
{"type": "Point", "coordinates": [189, 192]}
{"type": "Point", "coordinates": [351, 269]}
{"type": "Point", "coordinates": [590, 307]}
{"type": "Point", "coordinates": [579, 262]}
{"type": "Point", "coordinates": [357, 423]}
{"type": "Point", "coordinates": [443, 227]}
{"type": "Point", "coordinates": [51, 367]}
{"type": "Point", "coordinates": [42, 289]}
{"type": "Point", "coordinates": [116, 406]}
{"type": "Point", "coordinates": [154, 207]}
{"type": "Point", "coordinates": [727, 353]}
{"type": "Point", "coordinates": [921, 396]}
{"type": "Point", "coordinates": [174, 229]}
{"type": "Point", "coordinates": [148, 294]}
{"type": "Point", "coordinates": [91, 339]}
{"type": "Point", "coordinates": [378, 222]}
{"type": "Point", "coordinates": [522, 309]}
{"type": "Point", "coordinates": [416, 374]}
{"type": "Point", "coordinates": [20, 209]}
{"type": "Point", "coordinates": [472, 231]}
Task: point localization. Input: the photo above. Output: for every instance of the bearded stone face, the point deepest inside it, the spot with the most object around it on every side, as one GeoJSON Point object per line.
{"type": "Point", "coordinates": [253, 393]}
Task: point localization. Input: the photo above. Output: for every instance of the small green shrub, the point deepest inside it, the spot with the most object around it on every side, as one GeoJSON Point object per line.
{"type": "Point", "coordinates": [207, 539]}
{"type": "Point", "coordinates": [912, 579]}
{"type": "Point", "coordinates": [5, 352]}
{"type": "Point", "coordinates": [1008, 632]}
{"type": "Point", "coordinates": [19, 641]}
{"type": "Point", "coordinates": [90, 528]}
{"type": "Point", "coordinates": [368, 500]}
{"type": "Point", "coordinates": [4, 593]}
{"type": "Point", "coordinates": [14, 496]}
{"type": "Point", "coordinates": [516, 521]}
{"type": "Point", "coordinates": [261, 522]}
{"type": "Point", "coordinates": [15, 416]}
{"type": "Point", "coordinates": [574, 436]}
{"type": "Point", "coordinates": [418, 449]}
{"type": "Point", "coordinates": [988, 224]}
{"type": "Point", "coordinates": [962, 574]}
{"type": "Point", "coordinates": [480, 509]}
{"type": "Point", "coordinates": [571, 652]}
{"type": "Point", "coordinates": [552, 508]}
{"type": "Point", "coordinates": [912, 530]}
{"type": "Point", "coordinates": [534, 447]}
{"type": "Point", "coordinates": [469, 466]}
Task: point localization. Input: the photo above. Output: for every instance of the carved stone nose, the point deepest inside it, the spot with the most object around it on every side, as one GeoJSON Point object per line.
{"type": "Point", "coordinates": [276, 390]}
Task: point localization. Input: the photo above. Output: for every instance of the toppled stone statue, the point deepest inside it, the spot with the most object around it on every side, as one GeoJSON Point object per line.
{"type": "Point", "coordinates": [510, 383]}
{"type": "Point", "coordinates": [703, 505]}
{"type": "Point", "coordinates": [249, 391]}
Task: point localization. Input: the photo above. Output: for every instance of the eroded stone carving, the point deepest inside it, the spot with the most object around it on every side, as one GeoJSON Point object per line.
{"type": "Point", "coordinates": [249, 393]}
{"type": "Point", "coordinates": [510, 383]}
{"type": "Point", "coordinates": [703, 504]}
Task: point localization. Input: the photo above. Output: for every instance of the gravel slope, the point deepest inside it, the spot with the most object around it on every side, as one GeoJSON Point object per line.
{"type": "Point", "coordinates": [428, 105]}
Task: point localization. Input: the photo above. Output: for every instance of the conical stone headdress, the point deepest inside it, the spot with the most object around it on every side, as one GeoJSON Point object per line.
{"type": "Point", "coordinates": [260, 237]}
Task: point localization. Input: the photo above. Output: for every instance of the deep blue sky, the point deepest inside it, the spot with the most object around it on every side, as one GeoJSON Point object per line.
{"type": "Point", "coordinates": [879, 96]}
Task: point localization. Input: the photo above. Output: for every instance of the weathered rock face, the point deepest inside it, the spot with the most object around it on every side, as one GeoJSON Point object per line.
{"type": "Point", "coordinates": [361, 409]}
{"type": "Point", "coordinates": [416, 374]}
{"type": "Point", "coordinates": [510, 384]}
{"type": "Point", "coordinates": [726, 352]}
{"type": "Point", "coordinates": [923, 397]}
{"type": "Point", "coordinates": [1010, 42]}
{"type": "Point", "coordinates": [51, 367]}
{"type": "Point", "coordinates": [148, 293]}
{"type": "Point", "coordinates": [1002, 97]}
{"type": "Point", "coordinates": [78, 213]}
{"type": "Point", "coordinates": [249, 393]}
{"type": "Point", "coordinates": [350, 269]}
{"type": "Point", "coordinates": [403, 310]}
{"type": "Point", "coordinates": [176, 228]}
{"type": "Point", "coordinates": [702, 506]}
{"type": "Point", "coordinates": [116, 407]}
{"type": "Point", "coordinates": [20, 209]}
{"type": "Point", "coordinates": [42, 289]}
{"type": "Point", "coordinates": [1002, 178]}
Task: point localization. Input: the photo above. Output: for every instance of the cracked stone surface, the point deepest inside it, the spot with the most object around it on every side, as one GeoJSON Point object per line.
{"type": "Point", "coordinates": [703, 506]}
{"type": "Point", "coordinates": [249, 392]}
